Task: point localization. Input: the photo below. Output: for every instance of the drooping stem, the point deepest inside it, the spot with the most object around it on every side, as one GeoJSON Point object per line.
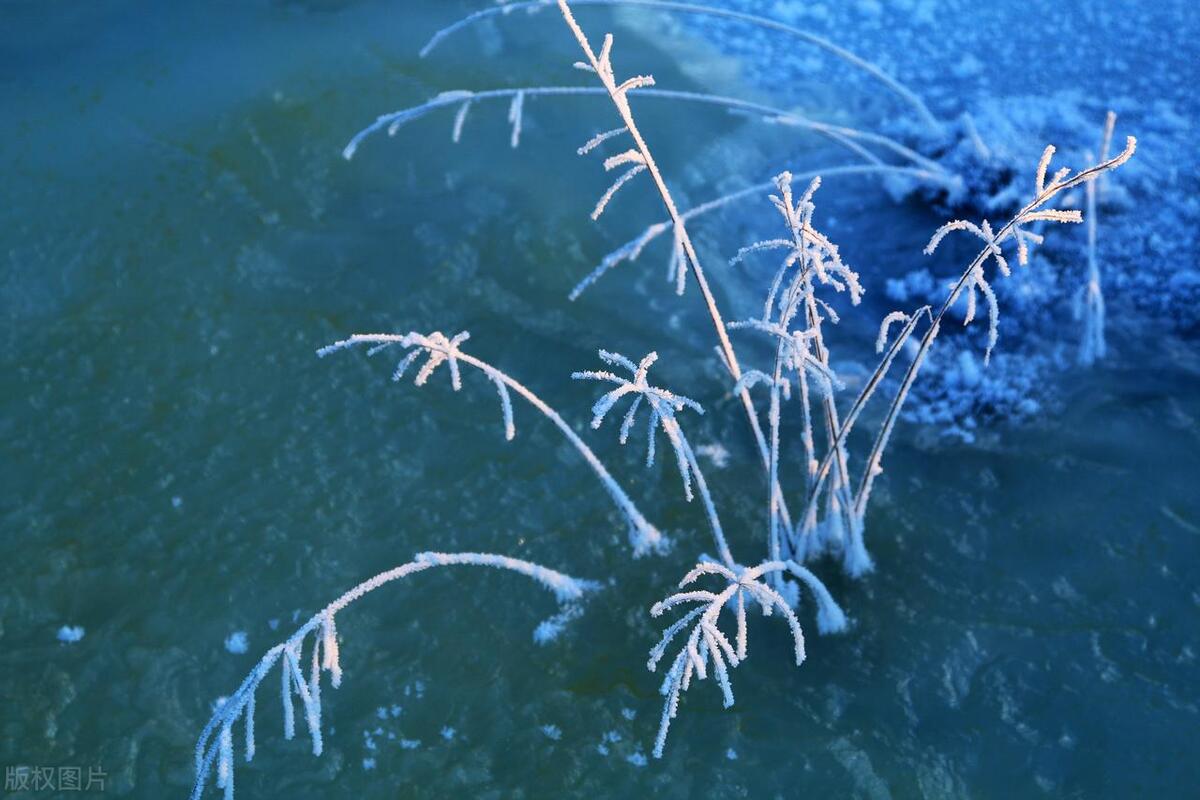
{"type": "Point", "coordinates": [1091, 303]}
{"type": "Point", "coordinates": [842, 135]}
{"type": "Point", "coordinates": [644, 535]}
{"type": "Point", "coordinates": [210, 745]}
{"type": "Point", "coordinates": [773, 500]}
{"type": "Point", "coordinates": [652, 535]}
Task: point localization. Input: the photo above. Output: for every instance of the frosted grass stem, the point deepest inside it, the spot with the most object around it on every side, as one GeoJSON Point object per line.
{"type": "Point", "coordinates": [215, 745]}
{"type": "Point", "coordinates": [617, 94]}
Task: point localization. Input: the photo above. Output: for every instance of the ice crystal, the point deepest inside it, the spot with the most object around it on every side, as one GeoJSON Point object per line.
{"type": "Point", "coordinates": [70, 634]}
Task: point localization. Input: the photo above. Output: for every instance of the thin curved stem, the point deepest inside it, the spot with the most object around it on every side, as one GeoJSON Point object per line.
{"type": "Point", "coordinates": [856, 409]}
{"type": "Point", "coordinates": [874, 465]}
{"type": "Point", "coordinates": [208, 746]}
{"type": "Point", "coordinates": [840, 134]}
{"type": "Point", "coordinates": [653, 539]}
{"type": "Point", "coordinates": [902, 91]}
{"type": "Point", "coordinates": [710, 508]}
{"type": "Point", "coordinates": [832, 425]}
{"type": "Point", "coordinates": [773, 491]}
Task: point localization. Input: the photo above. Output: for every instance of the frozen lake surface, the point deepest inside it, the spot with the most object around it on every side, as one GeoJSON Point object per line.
{"type": "Point", "coordinates": [182, 481]}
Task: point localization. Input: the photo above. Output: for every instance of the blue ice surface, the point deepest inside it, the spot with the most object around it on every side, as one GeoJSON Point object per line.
{"type": "Point", "coordinates": [1149, 214]}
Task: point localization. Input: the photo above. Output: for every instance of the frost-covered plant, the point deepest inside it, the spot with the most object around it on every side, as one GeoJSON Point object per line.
{"type": "Point", "coordinates": [974, 283]}
{"type": "Point", "coordinates": [1015, 230]}
{"type": "Point", "coordinates": [706, 643]}
{"type": "Point", "coordinates": [314, 650]}
{"type": "Point", "coordinates": [793, 317]}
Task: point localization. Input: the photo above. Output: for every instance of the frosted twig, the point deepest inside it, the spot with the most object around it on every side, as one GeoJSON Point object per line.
{"type": "Point", "coordinates": [663, 405]}
{"type": "Point", "coordinates": [643, 536]}
{"type": "Point", "coordinates": [977, 281]}
{"type": "Point", "coordinates": [1110, 122]}
{"type": "Point", "coordinates": [841, 135]}
{"type": "Point", "coordinates": [215, 745]}
{"type": "Point", "coordinates": [460, 119]}
{"type": "Point", "coordinates": [516, 114]}
{"type": "Point", "coordinates": [706, 643]}
{"type": "Point", "coordinates": [612, 190]}
{"type": "Point", "coordinates": [599, 139]}
{"type": "Point", "coordinates": [885, 326]}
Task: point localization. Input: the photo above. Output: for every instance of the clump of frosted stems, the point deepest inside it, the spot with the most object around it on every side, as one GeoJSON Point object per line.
{"type": "Point", "coordinates": [812, 261]}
